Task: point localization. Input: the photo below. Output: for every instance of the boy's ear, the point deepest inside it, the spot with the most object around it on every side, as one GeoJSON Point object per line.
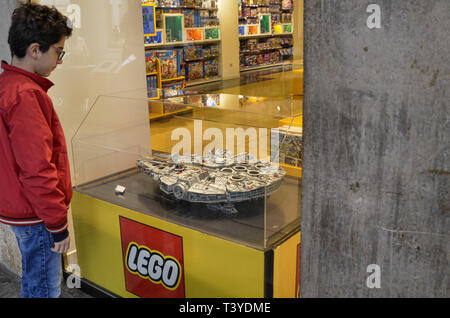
{"type": "Point", "coordinates": [34, 50]}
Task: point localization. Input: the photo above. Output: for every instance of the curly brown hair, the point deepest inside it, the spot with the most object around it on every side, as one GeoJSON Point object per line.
{"type": "Point", "coordinates": [34, 23]}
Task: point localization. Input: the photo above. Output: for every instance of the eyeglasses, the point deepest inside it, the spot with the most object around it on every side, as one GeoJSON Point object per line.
{"type": "Point", "coordinates": [60, 52]}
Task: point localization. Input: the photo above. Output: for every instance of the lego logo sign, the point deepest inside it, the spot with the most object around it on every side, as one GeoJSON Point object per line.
{"type": "Point", "coordinates": [153, 265]}
{"type": "Point", "coordinates": [153, 261]}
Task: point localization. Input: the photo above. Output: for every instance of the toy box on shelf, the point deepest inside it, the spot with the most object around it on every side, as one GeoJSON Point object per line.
{"type": "Point", "coordinates": [150, 63]}
{"type": "Point", "coordinates": [157, 39]}
{"type": "Point", "coordinates": [211, 68]}
{"type": "Point", "coordinates": [194, 34]}
{"type": "Point", "coordinates": [194, 70]}
{"type": "Point", "coordinates": [192, 53]}
{"type": "Point", "coordinates": [199, 52]}
{"type": "Point", "coordinates": [170, 65]}
{"type": "Point", "coordinates": [212, 33]}
{"type": "Point", "coordinates": [287, 5]}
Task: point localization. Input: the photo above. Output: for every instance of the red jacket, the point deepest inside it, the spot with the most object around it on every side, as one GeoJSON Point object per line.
{"type": "Point", "coordinates": [35, 184]}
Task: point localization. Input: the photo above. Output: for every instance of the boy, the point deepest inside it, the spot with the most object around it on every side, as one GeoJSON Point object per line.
{"type": "Point", "coordinates": [35, 185]}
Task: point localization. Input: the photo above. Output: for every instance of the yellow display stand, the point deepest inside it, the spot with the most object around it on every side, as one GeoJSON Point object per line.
{"type": "Point", "coordinates": [286, 263]}
{"type": "Point", "coordinates": [208, 266]}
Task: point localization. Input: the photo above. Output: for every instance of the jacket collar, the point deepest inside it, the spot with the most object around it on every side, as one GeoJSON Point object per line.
{"type": "Point", "coordinates": [41, 81]}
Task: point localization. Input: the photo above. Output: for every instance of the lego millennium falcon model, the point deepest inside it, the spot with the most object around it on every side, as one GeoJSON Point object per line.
{"type": "Point", "coordinates": [218, 179]}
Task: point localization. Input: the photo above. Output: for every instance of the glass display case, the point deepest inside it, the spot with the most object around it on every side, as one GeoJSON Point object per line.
{"type": "Point", "coordinates": [232, 151]}
{"type": "Point", "coordinates": [207, 167]}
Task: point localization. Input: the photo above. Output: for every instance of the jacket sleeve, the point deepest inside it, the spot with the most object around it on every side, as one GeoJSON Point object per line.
{"type": "Point", "coordinates": [32, 143]}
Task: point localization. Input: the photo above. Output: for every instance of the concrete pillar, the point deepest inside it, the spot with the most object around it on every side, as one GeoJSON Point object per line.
{"type": "Point", "coordinates": [6, 9]}
{"type": "Point", "coordinates": [9, 251]}
{"type": "Point", "coordinates": [377, 149]}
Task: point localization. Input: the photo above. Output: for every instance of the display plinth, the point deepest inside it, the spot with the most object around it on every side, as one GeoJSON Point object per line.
{"type": "Point", "coordinates": [211, 266]}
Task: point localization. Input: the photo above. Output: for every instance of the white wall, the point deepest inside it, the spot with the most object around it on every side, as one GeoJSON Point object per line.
{"type": "Point", "coordinates": [6, 9]}
{"type": "Point", "coordinates": [229, 29]}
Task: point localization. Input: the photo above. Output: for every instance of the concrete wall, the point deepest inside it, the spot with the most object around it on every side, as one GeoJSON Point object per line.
{"type": "Point", "coordinates": [377, 150]}
{"type": "Point", "coordinates": [6, 8]}
{"type": "Point", "coordinates": [9, 251]}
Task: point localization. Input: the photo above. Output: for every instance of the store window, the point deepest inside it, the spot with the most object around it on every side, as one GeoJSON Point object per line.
{"type": "Point", "coordinates": [178, 192]}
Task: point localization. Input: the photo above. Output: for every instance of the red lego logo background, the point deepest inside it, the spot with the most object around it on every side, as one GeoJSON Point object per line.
{"type": "Point", "coordinates": [152, 260]}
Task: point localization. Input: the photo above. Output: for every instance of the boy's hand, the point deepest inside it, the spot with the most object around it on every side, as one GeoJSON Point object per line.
{"type": "Point", "coordinates": [61, 247]}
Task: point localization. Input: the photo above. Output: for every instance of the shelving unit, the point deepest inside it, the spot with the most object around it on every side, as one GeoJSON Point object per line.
{"type": "Point", "coordinates": [163, 71]}
{"type": "Point", "coordinates": [265, 33]}
{"type": "Point", "coordinates": [190, 30]}
{"type": "Point", "coordinates": [158, 110]}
